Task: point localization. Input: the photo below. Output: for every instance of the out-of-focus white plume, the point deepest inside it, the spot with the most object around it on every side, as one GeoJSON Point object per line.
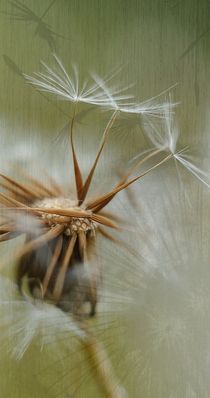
{"type": "Point", "coordinates": [25, 320]}
{"type": "Point", "coordinates": [163, 332]}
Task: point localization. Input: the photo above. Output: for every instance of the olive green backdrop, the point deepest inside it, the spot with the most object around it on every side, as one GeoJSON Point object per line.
{"type": "Point", "coordinates": [158, 43]}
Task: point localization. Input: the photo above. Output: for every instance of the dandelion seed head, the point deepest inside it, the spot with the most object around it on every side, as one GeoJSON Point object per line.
{"type": "Point", "coordinates": [199, 301]}
{"type": "Point", "coordinates": [56, 261]}
{"type": "Point", "coordinates": [167, 330]}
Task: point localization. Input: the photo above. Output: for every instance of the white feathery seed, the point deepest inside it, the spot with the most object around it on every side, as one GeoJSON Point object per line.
{"type": "Point", "coordinates": [166, 138]}
{"type": "Point", "coordinates": [56, 80]}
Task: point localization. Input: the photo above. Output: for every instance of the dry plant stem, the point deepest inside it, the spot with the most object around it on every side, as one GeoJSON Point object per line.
{"type": "Point", "coordinates": [40, 241]}
{"type": "Point", "coordinates": [102, 366]}
{"type": "Point", "coordinates": [14, 191]}
{"type": "Point", "coordinates": [7, 228]}
{"type": "Point", "coordinates": [142, 161]}
{"type": "Point", "coordinates": [30, 193]}
{"type": "Point", "coordinates": [102, 201]}
{"type": "Point", "coordinates": [61, 276]}
{"type": "Point", "coordinates": [64, 212]}
{"type": "Point", "coordinates": [6, 236]}
{"type": "Point", "coordinates": [58, 191]}
{"type": "Point", "coordinates": [52, 264]}
{"type": "Point", "coordinates": [45, 190]}
{"type": "Point", "coordinates": [110, 237]}
{"type": "Point", "coordinates": [101, 147]}
{"type": "Point", "coordinates": [82, 245]}
{"type": "Point", "coordinates": [77, 172]}
{"type": "Point", "coordinates": [12, 201]}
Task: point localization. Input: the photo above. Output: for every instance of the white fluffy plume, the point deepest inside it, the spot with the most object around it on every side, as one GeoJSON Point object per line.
{"type": "Point", "coordinates": [57, 81]}
{"type": "Point", "coordinates": [166, 138]}
{"type": "Point", "coordinates": [25, 320]}
{"type": "Point", "coordinates": [101, 92]}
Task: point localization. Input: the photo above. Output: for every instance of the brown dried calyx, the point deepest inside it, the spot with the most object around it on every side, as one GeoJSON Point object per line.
{"type": "Point", "coordinates": [60, 270]}
{"type": "Point", "coordinates": [56, 259]}
{"type": "Point", "coordinates": [74, 224]}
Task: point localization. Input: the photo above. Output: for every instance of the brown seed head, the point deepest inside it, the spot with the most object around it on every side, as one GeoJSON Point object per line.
{"type": "Point", "coordinates": [73, 224]}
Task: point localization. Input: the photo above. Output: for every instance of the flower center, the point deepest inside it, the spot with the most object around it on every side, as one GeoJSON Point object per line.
{"type": "Point", "coordinates": [71, 225]}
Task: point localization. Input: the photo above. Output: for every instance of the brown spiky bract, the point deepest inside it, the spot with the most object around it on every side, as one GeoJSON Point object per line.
{"type": "Point", "coordinates": [56, 257]}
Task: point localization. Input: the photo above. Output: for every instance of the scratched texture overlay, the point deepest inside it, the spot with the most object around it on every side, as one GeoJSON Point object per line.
{"type": "Point", "coordinates": [154, 311]}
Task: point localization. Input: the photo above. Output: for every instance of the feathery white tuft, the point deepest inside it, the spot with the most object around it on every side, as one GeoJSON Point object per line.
{"type": "Point", "coordinates": [25, 320]}
{"type": "Point", "coordinates": [56, 80]}
{"type": "Point", "coordinates": [200, 174]}
{"type": "Point", "coordinates": [166, 139]}
{"type": "Point", "coordinates": [150, 107]}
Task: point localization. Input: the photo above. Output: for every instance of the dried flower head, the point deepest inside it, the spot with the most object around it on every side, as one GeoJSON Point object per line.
{"type": "Point", "coordinates": [55, 262]}
{"type": "Point", "coordinates": [56, 257]}
{"type": "Point", "coordinates": [61, 232]}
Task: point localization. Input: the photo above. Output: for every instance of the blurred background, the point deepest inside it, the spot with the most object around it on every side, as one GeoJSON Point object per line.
{"type": "Point", "coordinates": [154, 316]}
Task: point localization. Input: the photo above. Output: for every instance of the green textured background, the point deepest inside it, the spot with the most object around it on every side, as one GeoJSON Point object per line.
{"type": "Point", "coordinates": [159, 43]}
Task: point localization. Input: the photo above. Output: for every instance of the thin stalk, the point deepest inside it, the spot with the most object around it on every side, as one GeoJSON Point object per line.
{"type": "Point", "coordinates": [51, 266]}
{"type": "Point", "coordinates": [102, 367]}
{"type": "Point", "coordinates": [102, 201]}
{"type": "Point", "coordinates": [63, 269]}
{"type": "Point", "coordinates": [134, 167]}
{"type": "Point", "coordinates": [101, 147]}
{"type": "Point", "coordinates": [77, 172]}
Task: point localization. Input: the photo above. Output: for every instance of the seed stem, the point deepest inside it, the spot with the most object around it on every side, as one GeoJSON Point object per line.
{"type": "Point", "coordinates": [77, 171]}
{"type": "Point", "coordinates": [102, 367]}
{"type": "Point", "coordinates": [101, 147]}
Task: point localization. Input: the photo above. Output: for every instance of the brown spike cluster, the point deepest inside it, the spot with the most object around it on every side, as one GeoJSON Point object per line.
{"type": "Point", "coordinates": [55, 261]}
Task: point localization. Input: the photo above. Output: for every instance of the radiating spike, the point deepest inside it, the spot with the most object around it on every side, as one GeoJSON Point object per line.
{"type": "Point", "coordinates": [56, 211]}
{"type": "Point", "coordinates": [101, 147]}
{"type": "Point", "coordinates": [12, 201]}
{"type": "Point", "coordinates": [31, 194]}
{"type": "Point", "coordinates": [112, 216]}
{"type": "Point", "coordinates": [40, 241]}
{"type": "Point", "coordinates": [103, 220]}
{"type": "Point", "coordinates": [139, 163]}
{"type": "Point", "coordinates": [7, 228]}
{"type": "Point", "coordinates": [112, 238]}
{"type": "Point", "coordinates": [77, 172]}
{"type": "Point", "coordinates": [101, 365]}
{"type": "Point", "coordinates": [107, 235]}
{"type": "Point", "coordinates": [52, 264]}
{"type": "Point", "coordinates": [44, 190]}
{"type": "Point", "coordinates": [25, 209]}
{"type": "Point", "coordinates": [82, 245]}
{"type": "Point", "coordinates": [102, 201]}
{"type": "Point", "coordinates": [57, 191]}
{"type": "Point", "coordinates": [15, 191]}
{"type": "Point", "coordinates": [4, 201]}
{"type": "Point", "coordinates": [7, 236]}
{"type": "Point", "coordinates": [61, 276]}
{"type": "Point", "coordinates": [64, 212]}
{"type": "Point", "coordinates": [41, 188]}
